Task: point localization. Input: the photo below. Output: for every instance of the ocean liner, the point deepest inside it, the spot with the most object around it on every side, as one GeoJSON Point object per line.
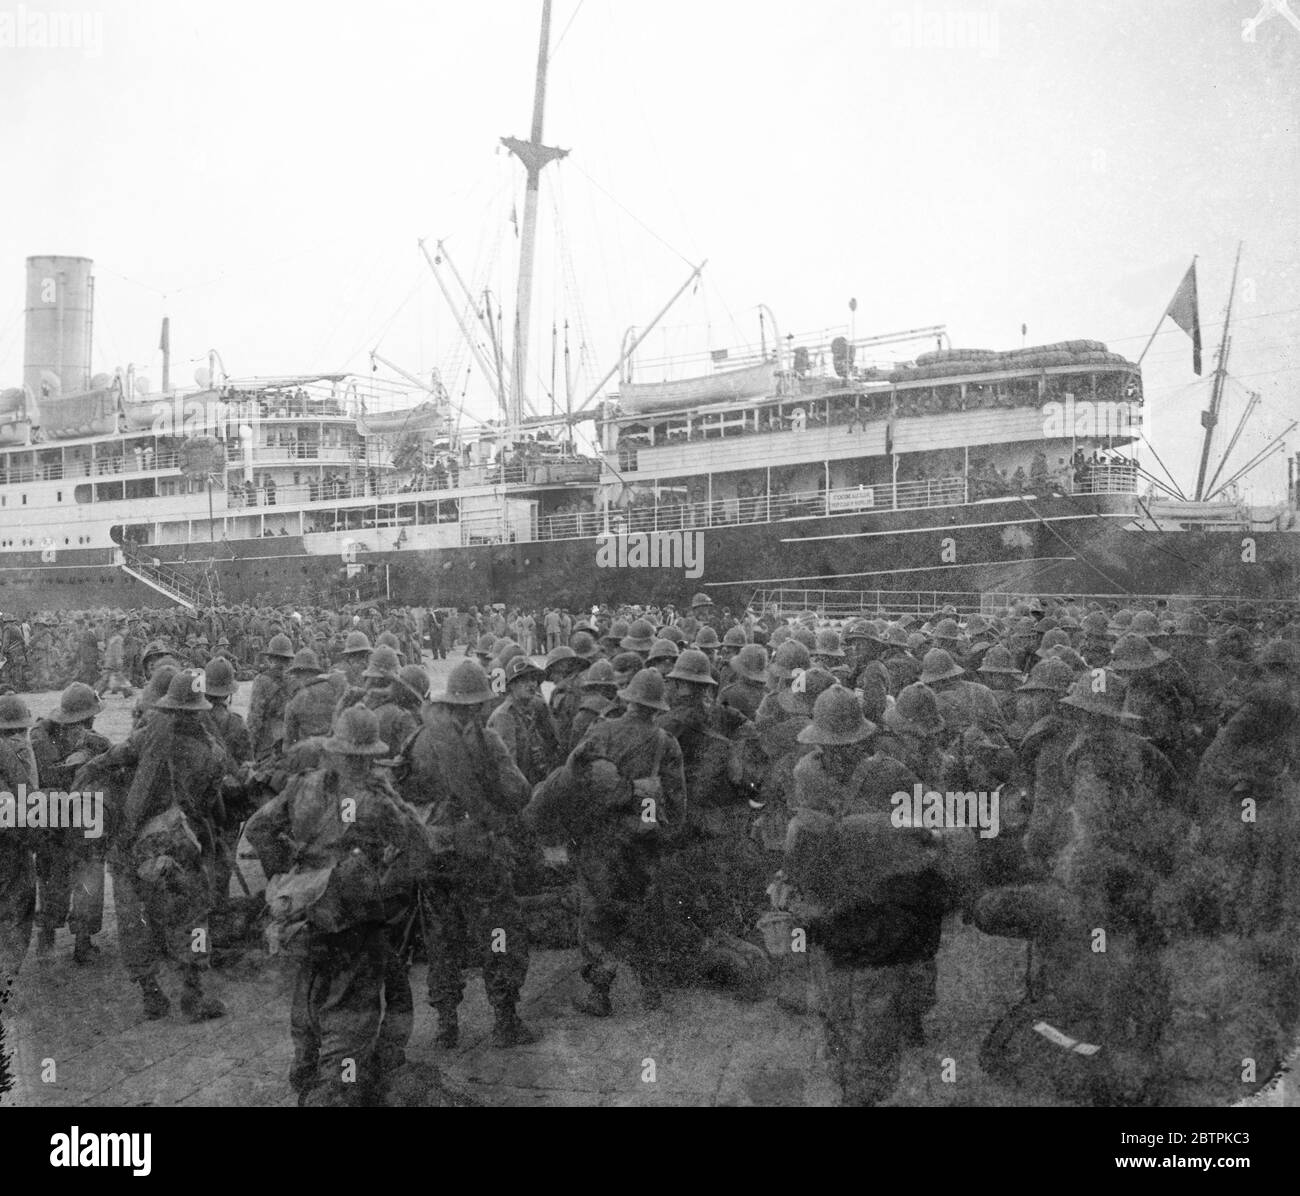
{"type": "Point", "coordinates": [839, 472]}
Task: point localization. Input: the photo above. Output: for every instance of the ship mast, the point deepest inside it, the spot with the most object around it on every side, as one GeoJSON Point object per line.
{"type": "Point", "coordinates": [534, 156]}
{"type": "Point", "coordinates": [1211, 417]}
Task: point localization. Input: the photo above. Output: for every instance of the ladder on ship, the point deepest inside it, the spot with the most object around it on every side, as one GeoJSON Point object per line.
{"type": "Point", "coordinates": [171, 583]}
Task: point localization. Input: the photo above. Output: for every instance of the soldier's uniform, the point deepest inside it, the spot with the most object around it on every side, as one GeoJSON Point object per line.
{"type": "Point", "coordinates": [619, 834]}
{"type": "Point", "coordinates": [17, 874]}
{"type": "Point", "coordinates": [352, 1011]}
{"type": "Point", "coordinates": [525, 726]}
{"type": "Point", "coordinates": [310, 711]}
{"type": "Point", "coordinates": [162, 859]}
{"type": "Point", "coordinates": [465, 782]}
{"type": "Point", "coordinates": [69, 866]}
{"type": "Point", "coordinates": [270, 694]}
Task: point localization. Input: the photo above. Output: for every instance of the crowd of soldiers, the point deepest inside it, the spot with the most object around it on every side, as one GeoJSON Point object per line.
{"type": "Point", "coordinates": [704, 776]}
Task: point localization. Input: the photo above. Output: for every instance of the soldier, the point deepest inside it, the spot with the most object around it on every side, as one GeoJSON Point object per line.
{"type": "Point", "coordinates": [914, 730]}
{"type": "Point", "coordinates": [745, 693]}
{"type": "Point", "coordinates": [790, 661]}
{"type": "Point", "coordinates": [162, 857]}
{"type": "Point", "coordinates": [457, 770]}
{"type": "Point", "coordinates": [516, 719]}
{"type": "Point", "coordinates": [640, 638]}
{"type": "Point", "coordinates": [352, 1010]}
{"type": "Point", "coordinates": [896, 655]}
{"type": "Point", "coordinates": [310, 711]}
{"type": "Point", "coordinates": [871, 895]}
{"type": "Point", "coordinates": [732, 642]}
{"type": "Point", "coordinates": [621, 796]}
{"type": "Point", "coordinates": [399, 713]}
{"type": "Point", "coordinates": [1003, 678]}
{"type": "Point", "coordinates": [113, 679]}
{"type": "Point", "coordinates": [599, 700]}
{"type": "Point", "coordinates": [563, 668]}
{"type": "Point", "coordinates": [17, 874]}
{"type": "Point", "coordinates": [956, 697]}
{"type": "Point", "coordinates": [270, 694]}
{"type": "Point", "coordinates": [69, 866]}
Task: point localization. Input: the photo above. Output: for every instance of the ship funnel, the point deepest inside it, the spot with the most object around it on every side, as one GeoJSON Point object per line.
{"type": "Point", "coordinates": [60, 314]}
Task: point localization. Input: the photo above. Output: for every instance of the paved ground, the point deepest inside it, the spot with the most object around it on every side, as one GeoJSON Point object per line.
{"type": "Point", "coordinates": [78, 1037]}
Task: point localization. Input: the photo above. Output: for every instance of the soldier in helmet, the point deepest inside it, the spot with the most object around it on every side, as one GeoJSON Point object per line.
{"type": "Point", "coordinates": [155, 656]}
{"type": "Point", "coordinates": [563, 668]}
{"type": "Point", "coordinates": [310, 711]}
{"type": "Point", "coordinates": [399, 713]}
{"type": "Point", "coordinates": [163, 854]}
{"type": "Point", "coordinates": [352, 1010]}
{"type": "Point", "coordinates": [17, 874]}
{"type": "Point", "coordinates": [620, 796]}
{"type": "Point", "coordinates": [517, 720]}
{"type": "Point", "coordinates": [459, 773]}
{"type": "Point", "coordinates": [749, 671]}
{"type": "Point", "coordinates": [599, 690]}
{"type": "Point", "coordinates": [871, 894]}
{"type": "Point", "coordinates": [69, 866]}
{"type": "Point", "coordinates": [270, 694]}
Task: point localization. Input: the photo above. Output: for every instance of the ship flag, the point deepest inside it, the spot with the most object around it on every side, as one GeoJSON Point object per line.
{"type": "Point", "coordinates": [1185, 311]}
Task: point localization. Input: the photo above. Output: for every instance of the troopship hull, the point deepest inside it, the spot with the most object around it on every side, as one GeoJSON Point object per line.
{"type": "Point", "coordinates": [1074, 544]}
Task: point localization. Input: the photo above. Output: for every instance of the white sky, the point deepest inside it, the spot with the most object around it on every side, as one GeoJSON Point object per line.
{"type": "Point", "coordinates": [262, 171]}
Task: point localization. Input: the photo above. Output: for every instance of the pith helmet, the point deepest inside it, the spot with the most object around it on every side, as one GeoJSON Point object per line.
{"type": "Point", "coordinates": [1051, 676]}
{"type": "Point", "coordinates": [357, 643]}
{"type": "Point", "coordinates": [584, 645]}
{"type": "Point", "coordinates": [617, 630]}
{"type": "Point", "coordinates": [521, 666]}
{"type": "Point", "coordinates": [1145, 624]}
{"type": "Point", "coordinates": [945, 629]}
{"type": "Point", "coordinates": [998, 660]}
{"type": "Point", "coordinates": [1134, 655]}
{"type": "Point", "coordinates": [184, 693]}
{"type": "Point", "coordinates": [692, 665]}
{"type": "Point", "coordinates": [1193, 625]}
{"type": "Point", "coordinates": [828, 644]}
{"type": "Point", "coordinates": [485, 644]}
{"type": "Point", "coordinates": [751, 662]}
{"type": "Point", "coordinates": [219, 678]}
{"type": "Point", "coordinates": [627, 663]}
{"type": "Point", "coordinates": [1052, 639]}
{"type": "Point", "coordinates": [735, 638]}
{"type": "Point", "coordinates": [77, 704]}
{"type": "Point", "coordinates": [561, 661]}
{"type": "Point", "coordinates": [645, 689]}
{"type": "Point", "coordinates": [467, 685]}
{"type": "Point", "coordinates": [154, 649]}
{"type": "Point", "coordinates": [664, 650]}
{"type": "Point", "coordinates": [938, 665]}
{"type": "Point", "coordinates": [816, 681]}
{"type": "Point", "coordinates": [415, 679]}
{"type": "Point", "coordinates": [916, 710]}
{"type": "Point", "coordinates": [279, 647]}
{"type": "Point", "coordinates": [639, 637]}
{"type": "Point", "coordinates": [836, 719]}
{"type": "Point", "coordinates": [1107, 701]}
{"type": "Point", "coordinates": [305, 661]}
{"type": "Point", "coordinates": [388, 640]}
{"type": "Point", "coordinates": [383, 664]}
{"type": "Point", "coordinates": [601, 673]}
{"type": "Point", "coordinates": [789, 656]}
{"type": "Point", "coordinates": [1096, 626]}
{"type": "Point", "coordinates": [357, 734]}
{"type": "Point", "coordinates": [14, 715]}
{"type": "Point", "coordinates": [701, 599]}
{"type": "Point", "coordinates": [706, 637]}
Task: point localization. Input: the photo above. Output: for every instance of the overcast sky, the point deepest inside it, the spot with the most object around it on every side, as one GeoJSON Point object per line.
{"type": "Point", "coordinates": [262, 172]}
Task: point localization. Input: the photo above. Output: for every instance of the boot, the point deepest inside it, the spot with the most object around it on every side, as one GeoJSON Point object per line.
{"type": "Point", "coordinates": [156, 1004]}
{"type": "Point", "coordinates": [199, 1008]}
{"type": "Point", "coordinates": [596, 1003]}
{"type": "Point", "coordinates": [85, 950]}
{"type": "Point", "coordinates": [44, 943]}
{"type": "Point", "coordinates": [510, 1031]}
{"type": "Point", "coordinates": [448, 1029]}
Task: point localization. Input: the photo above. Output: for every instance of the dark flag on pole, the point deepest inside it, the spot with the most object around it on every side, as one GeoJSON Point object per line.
{"type": "Point", "coordinates": [1185, 311]}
